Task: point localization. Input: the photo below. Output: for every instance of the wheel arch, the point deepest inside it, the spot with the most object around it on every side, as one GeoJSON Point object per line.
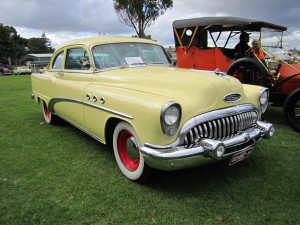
{"type": "Point", "coordinates": [109, 129]}
{"type": "Point", "coordinates": [110, 126]}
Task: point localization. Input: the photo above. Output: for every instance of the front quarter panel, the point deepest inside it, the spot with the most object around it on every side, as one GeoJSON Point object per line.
{"type": "Point", "coordinates": [251, 92]}
{"type": "Point", "coordinates": [141, 110]}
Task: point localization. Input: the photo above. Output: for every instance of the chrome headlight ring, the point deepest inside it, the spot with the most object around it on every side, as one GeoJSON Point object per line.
{"type": "Point", "coordinates": [170, 118]}
{"type": "Point", "coordinates": [263, 100]}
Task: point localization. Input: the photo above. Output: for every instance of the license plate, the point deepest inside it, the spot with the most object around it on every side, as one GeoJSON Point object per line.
{"type": "Point", "coordinates": [240, 156]}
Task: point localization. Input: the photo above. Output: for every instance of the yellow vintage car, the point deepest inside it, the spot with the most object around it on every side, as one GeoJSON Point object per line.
{"type": "Point", "coordinates": [125, 91]}
{"type": "Point", "coordinates": [21, 70]}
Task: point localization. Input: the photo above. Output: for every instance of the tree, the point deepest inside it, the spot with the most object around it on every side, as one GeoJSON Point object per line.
{"type": "Point", "coordinates": [39, 45]}
{"type": "Point", "coordinates": [12, 46]}
{"type": "Point", "coordinates": [140, 14]}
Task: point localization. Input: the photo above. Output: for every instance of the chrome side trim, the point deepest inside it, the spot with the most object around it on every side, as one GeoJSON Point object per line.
{"type": "Point", "coordinates": [53, 101]}
{"type": "Point", "coordinates": [108, 110]}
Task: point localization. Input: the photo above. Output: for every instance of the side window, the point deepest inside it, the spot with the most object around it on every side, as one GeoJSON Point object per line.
{"type": "Point", "coordinates": [74, 55]}
{"type": "Point", "coordinates": [58, 61]}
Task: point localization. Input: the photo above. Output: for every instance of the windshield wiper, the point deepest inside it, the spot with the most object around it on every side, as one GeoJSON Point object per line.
{"type": "Point", "coordinates": [157, 63]}
{"type": "Point", "coordinates": [140, 63]}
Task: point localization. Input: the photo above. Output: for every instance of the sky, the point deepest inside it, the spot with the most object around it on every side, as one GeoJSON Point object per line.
{"type": "Point", "coordinates": [64, 20]}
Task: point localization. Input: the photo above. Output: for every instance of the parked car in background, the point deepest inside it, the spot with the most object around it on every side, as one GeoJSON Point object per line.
{"type": "Point", "coordinates": [20, 70]}
{"type": "Point", "coordinates": [207, 43]}
{"type": "Point", "coordinates": [42, 70]}
{"type": "Point", "coordinates": [126, 92]}
{"type": "Point", "coordinates": [5, 71]}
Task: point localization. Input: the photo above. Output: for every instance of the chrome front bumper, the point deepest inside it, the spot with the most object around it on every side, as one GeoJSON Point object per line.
{"type": "Point", "coordinates": [208, 150]}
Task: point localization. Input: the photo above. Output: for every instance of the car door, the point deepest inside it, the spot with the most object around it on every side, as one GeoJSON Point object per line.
{"type": "Point", "coordinates": [69, 84]}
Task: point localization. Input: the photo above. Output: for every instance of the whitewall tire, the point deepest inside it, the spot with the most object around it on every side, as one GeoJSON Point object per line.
{"type": "Point", "coordinates": [127, 153]}
{"type": "Point", "coordinates": [49, 117]}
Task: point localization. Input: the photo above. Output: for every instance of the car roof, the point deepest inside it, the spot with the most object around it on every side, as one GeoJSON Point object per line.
{"type": "Point", "coordinates": [91, 41]}
{"type": "Point", "coordinates": [226, 23]}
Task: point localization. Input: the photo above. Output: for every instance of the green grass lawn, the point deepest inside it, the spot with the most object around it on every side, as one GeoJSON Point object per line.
{"type": "Point", "coordinates": [59, 175]}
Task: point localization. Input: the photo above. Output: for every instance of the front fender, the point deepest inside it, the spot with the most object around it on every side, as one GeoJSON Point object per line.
{"type": "Point", "coordinates": [251, 92]}
{"type": "Point", "coordinates": [141, 110]}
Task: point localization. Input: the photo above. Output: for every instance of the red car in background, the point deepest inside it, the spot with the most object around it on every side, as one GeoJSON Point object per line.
{"type": "Point", "coordinates": [208, 44]}
{"type": "Point", "coordinates": [5, 71]}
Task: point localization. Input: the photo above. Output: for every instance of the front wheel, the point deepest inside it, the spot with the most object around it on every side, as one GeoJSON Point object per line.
{"type": "Point", "coordinates": [127, 153]}
{"type": "Point", "coordinates": [291, 110]}
{"type": "Point", "coordinates": [249, 71]}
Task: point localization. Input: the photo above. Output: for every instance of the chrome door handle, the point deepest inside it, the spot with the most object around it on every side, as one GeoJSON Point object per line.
{"type": "Point", "coordinates": [60, 73]}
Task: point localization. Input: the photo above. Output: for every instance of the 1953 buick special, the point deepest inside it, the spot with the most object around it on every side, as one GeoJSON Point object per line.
{"type": "Point", "coordinates": [125, 91]}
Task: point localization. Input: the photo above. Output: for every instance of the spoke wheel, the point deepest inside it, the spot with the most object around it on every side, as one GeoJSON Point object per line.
{"type": "Point", "coordinates": [292, 110]}
{"type": "Point", "coordinates": [127, 153]}
{"type": "Point", "coordinates": [249, 71]}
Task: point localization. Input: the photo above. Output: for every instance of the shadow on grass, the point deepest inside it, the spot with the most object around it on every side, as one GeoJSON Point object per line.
{"type": "Point", "coordinates": [274, 114]}
{"type": "Point", "coordinates": [208, 178]}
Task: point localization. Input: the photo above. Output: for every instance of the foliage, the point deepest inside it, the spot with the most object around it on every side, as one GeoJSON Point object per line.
{"type": "Point", "coordinates": [13, 46]}
{"type": "Point", "coordinates": [40, 45]}
{"type": "Point", "coordinates": [140, 14]}
{"type": "Point", "coordinates": [59, 175]}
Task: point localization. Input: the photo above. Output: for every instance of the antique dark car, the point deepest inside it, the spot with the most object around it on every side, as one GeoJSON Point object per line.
{"type": "Point", "coordinates": [208, 44]}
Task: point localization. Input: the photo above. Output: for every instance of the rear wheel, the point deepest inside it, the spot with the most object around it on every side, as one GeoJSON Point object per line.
{"type": "Point", "coordinates": [127, 153]}
{"type": "Point", "coordinates": [49, 117]}
{"type": "Point", "coordinates": [291, 110]}
{"type": "Point", "coordinates": [249, 71]}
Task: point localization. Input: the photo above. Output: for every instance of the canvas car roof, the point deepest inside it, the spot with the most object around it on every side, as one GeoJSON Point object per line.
{"type": "Point", "coordinates": [226, 23]}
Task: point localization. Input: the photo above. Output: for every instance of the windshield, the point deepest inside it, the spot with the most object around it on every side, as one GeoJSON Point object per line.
{"type": "Point", "coordinates": [128, 54]}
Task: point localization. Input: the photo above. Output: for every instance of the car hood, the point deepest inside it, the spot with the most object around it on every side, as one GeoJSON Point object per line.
{"type": "Point", "coordinates": [192, 88]}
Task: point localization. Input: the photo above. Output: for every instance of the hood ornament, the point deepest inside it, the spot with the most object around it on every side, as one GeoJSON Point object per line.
{"type": "Point", "coordinates": [221, 74]}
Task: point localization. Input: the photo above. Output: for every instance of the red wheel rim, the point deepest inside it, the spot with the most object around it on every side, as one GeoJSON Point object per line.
{"type": "Point", "coordinates": [128, 150]}
{"type": "Point", "coordinates": [46, 112]}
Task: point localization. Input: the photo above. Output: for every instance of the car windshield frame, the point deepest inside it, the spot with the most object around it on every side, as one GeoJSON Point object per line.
{"type": "Point", "coordinates": [128, 54]}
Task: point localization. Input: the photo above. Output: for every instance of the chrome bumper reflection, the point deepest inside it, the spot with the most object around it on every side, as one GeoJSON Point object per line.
{"type": "Point", "coordinates": [208, 150]}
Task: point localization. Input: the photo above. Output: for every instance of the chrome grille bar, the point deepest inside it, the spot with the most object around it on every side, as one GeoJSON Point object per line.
{"type": "Point", "coordinates": [221, 128]}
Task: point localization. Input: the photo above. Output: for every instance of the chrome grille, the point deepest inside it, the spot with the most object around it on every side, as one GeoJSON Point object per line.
{"type": "Point", "coordinates": [220, 129]}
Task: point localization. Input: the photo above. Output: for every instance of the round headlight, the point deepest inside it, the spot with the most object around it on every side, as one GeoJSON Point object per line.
{"type": "Point", "coordinates": [170, 118]}
{"type": "Point", "coordinates": [263, 100]}
{"type": "Point", "coordinates": [172, 115]}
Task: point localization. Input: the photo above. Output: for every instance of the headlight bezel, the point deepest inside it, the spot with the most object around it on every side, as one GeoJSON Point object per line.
{"type": "Point", "coordinates": [263, 100]}
{"type": "Point", "coordinates": [170, 118]}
